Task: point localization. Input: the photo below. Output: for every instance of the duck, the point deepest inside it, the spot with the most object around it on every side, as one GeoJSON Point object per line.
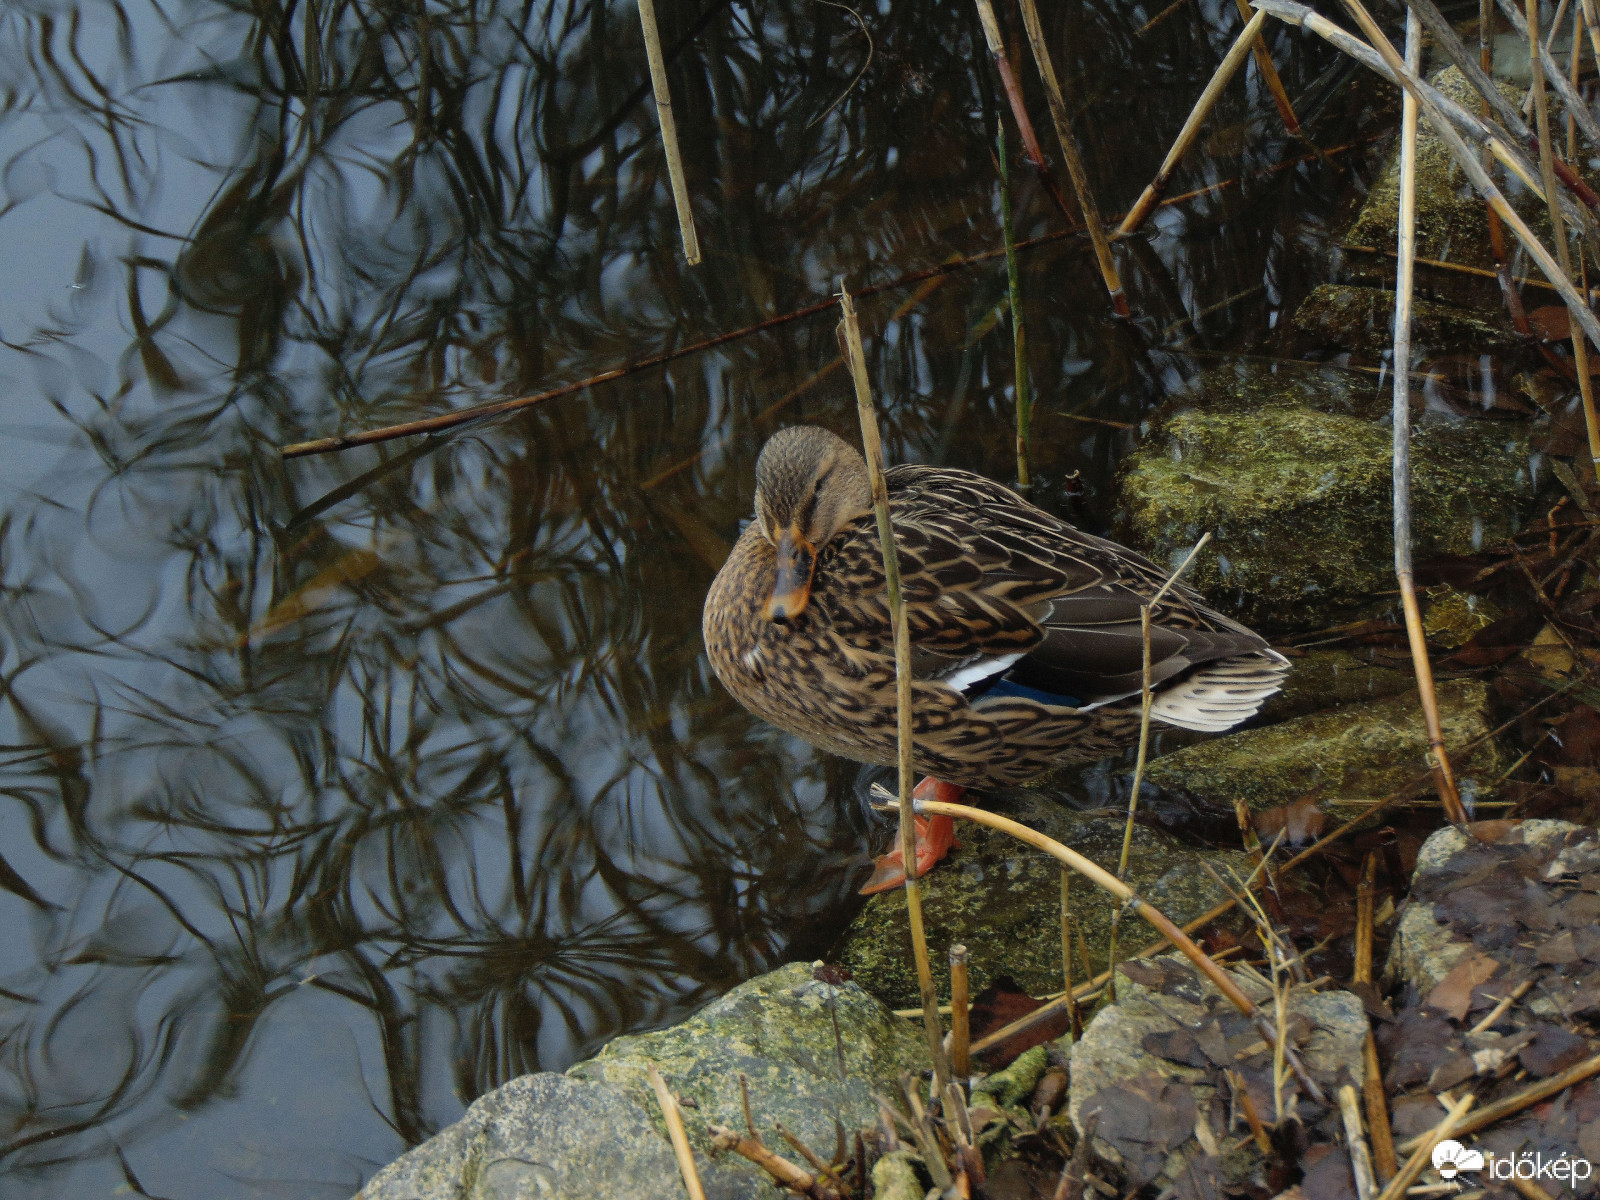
{"type": "Point", "coordinates": [1026, 643]}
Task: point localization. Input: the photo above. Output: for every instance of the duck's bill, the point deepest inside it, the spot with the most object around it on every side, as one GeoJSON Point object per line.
{"type": "Point", "coordinates": [791, 591]}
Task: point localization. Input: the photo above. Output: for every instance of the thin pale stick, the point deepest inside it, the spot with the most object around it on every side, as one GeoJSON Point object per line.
{"type": "Point", "coordinates": [1231, 62]}
{"type": "Point", "coordinates": [669, 130]}
{"type": "Point", "coordinates": [1407, 1175]}
{"type": "Point", "coordinates": [1269, 76]}
{"type": "Point", "coordinates": [1356, 1142]}
{"type": "Point", "coordinates": [675, 1132]}
{"type": "Point", "coordinates": [1438, 759]}
{"type": "Point", "coordinates": [1503, 1007]}
{"type": "Point", "coordinates": [855, 357]}
{"type": "Point", "coordinates": [1076, 173]}
{"type": "Point", "coordinates": [1523, 1100]}
{"type": "Point", "coordinates": [1103, 879]}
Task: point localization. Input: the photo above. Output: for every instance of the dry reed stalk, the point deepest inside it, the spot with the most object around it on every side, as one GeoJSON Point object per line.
{"type": "Point", "coordinates": [1469, 164]}
{"type": "Point", "coordinates": [1404, 276]}
{"type": "Point", "coordinates": [1574, 62]}
{"type": "Point", "coordinates": [781, 1169]}
{"type": "Point", "coordinates": [1523, 1100]}
{"type": "Point", "coordinates": [1464, 269]}
{"type": "Point", "coordinates": [1407, 1175]}
{"type": "Point", "coordinates": [1019, 332]}
{"type": "Point", "coordinates": [1269, 76]}
{"type": "Point", "coordinates": [1503, 1007]}
{"type": "Point", "coordinates": [1146, 698]}
{"type": "Point", "coordinates": [1019, 110]}
{"type": "Point", "coordinates": [1106, 881]}
{"type": "Point", "coordinates": [1377, 1103]}
{"type": "Point", "coordinates": [669, 130]}
{"type": "Point", "coordinates": [1569, 94]}
{"type": "Point", "coordinates": [814, 1160]}
{"type": "Point", "coordinates": [1076, 173]}
{"type": "Point", "coordinates": [1356, 1142]}
{"type": "Point", "coordinates": [960, 1029]}
{"type": "Point", "coordinates": [1591, 22]}
{"type": "Point", "coordinates": [1191, 128]}
{"type": "Point", "coordinates": [850, 343]}
{"type": "Point", "coordinates": [675, 1132]}
{"type": "Point", "coordinates": [1580, 347]}
{"type": "Point", "coordinates": [1074, 1020]}
{"type": "Point", "coordinates": [1252, 1118]}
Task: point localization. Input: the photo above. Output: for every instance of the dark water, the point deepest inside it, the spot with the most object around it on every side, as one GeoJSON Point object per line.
{"type": "Point", "coordinates": [334, 793]}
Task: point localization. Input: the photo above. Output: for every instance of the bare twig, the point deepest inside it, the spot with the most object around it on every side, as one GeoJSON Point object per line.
{"type": "Point", "coordinates": [781, 1169]}
{"type": "Point", "coordinates": [1074, 160]}
{"type": "Point", "coordinates": [1523, 1100]}
{"type": "Point", "coordinates": [1503, 1007]}
{"type": "Point", "coordinates": [1191, 127]}
{"type": "Point", "coordinates": [675, 1132]}
{"type": "Point", "coordinates": [669, 130]}
{"type": "Point", "coordinates": [1397, 1186]}
{"type": "Point", "coordinates": [1355, 1140]}
{"type": "Point", "coordinates": [850, 341]}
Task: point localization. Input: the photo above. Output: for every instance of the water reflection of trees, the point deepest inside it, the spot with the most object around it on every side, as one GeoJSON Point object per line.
{"type": "Point", "coordinates": [426, 731]}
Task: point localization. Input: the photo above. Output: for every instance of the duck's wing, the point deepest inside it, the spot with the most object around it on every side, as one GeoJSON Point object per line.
{"type": "Point", "coordinates": [1004, 599]}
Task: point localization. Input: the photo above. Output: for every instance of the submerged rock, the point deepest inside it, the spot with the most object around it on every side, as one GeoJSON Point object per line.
{"type": "Point", "coordinates": [1357, 754]}
{"type": "Point", "coordinates": [814, 1053]}
{"type": "Point", "coordinates": [1298, 497]}
{"type": "Point", "coordinates": [1324, 679]}
{"type": "Point", "coordinates": [1452, 220]}
{"type": "Point", "coordinates": [1362, 319]}
{"type": "Point", "coordinates": [1002, 899]}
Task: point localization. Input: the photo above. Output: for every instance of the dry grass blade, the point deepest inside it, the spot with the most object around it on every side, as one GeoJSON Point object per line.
{"type": "Point", "coordinates": [675, 1132]}
{"type": "Point", "coordinates": [669, 131]}
{"type": "Point", "coordinates": [1439, 759]}
{"type": "Point", "coordinates": [855, 357]}
{"type": "Point", "coordinates": [1103, 879]}
{"type": "Point", "coordinates": [1231, 62]}
{"type": "Point", "coordinates": [1074, 160]}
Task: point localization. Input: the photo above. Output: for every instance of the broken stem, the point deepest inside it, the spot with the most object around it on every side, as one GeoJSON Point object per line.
{"type": "Point", "coordinates": [960, 1030]}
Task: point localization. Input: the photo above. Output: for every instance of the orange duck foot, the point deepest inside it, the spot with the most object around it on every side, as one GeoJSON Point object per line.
{"type": "Point", "coordinates": [935, 837]}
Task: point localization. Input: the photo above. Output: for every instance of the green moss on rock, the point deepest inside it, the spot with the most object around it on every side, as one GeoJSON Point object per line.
{"type": "Point", "coordinates": [1362, 319]}
{"type": "Point", "coordinates": [1325, 679]}
{"type": "Point", "coordinates": [1358, 754]}
{"type": "Point", "coordinates": [1003, 901]}
{"type": "Point", "coordinates": [1298, 499]}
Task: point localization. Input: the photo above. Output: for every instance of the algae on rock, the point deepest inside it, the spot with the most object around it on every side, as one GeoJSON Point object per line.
{"type": "Point", "coordinates": [1298, 500]}
{"type": "Point", "coordinates": [1362, 319]}
{"type": "Point", "coordinates": [1357, 754]}
{"type": "Point", "coordinates": [1002, 900]}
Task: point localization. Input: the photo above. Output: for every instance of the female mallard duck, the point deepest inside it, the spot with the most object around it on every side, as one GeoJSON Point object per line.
{"type": "Point", "coordinates": [1026, 643]}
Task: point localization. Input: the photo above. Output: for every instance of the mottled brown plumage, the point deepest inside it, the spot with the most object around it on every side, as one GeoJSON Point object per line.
{"type": "Point", "coordinates": [1025, 630]}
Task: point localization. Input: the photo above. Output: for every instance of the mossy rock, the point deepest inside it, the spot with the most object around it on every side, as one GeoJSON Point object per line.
{"type": "Point", "coordinates": [1327, 679]}
{"type": "Point", "coordinates": [1357, 755]}
{"type": "Point", "coordinates": [1341, 316]}
{"type": "Point", "coordinates": [1298, 502]}
{"type": "Point", "coordinates": [1452, 219]}
{"type": "Point", "coordinates": [1002, 900]}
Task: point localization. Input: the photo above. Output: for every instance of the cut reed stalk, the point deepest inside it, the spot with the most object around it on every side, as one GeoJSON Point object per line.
{"type": "Point", "coordinates": [1407, 1175]}
{"type": "Point", "coordinates": [1438, 758]}
{"type": "Point", "coordinates": [1470, 166]}
{"type": "Point", "coordinates": [1019, 332]}
{"type": "Point", "coordinates": [1019, 110]}
{"type": "Point", "coordinates": [1580, 346]}
{"type": "Point", "coordinates": [960, 1029]}
{"type": "Point", "coordinates": [1146, 698]}
{"type": "Point", "coordinates": [1356, 1142]}
{"type": "Point", "coordinates": [676, 1134]}
{"type": "Point", "coordinates": [669, 130]}
{"type": "Point", "coordinates": [1191, 128]}
{"type": "Point", "coordinates": [1269, 76]}
{"type": "Point", "coordinates": [1108, 882]}
{"type": "Point", "coordinates": [872, 446]}
{"type": "Point", "coordinates": [1076, 173]}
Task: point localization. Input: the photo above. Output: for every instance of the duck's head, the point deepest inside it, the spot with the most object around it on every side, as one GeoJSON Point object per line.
{"type": "Point", "coordinates": [809, 485]}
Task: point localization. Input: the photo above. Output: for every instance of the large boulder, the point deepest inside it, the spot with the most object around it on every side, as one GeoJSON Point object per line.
{"type": "Point", "coordinates": [1295, 484]}
{"type": "Point", "coordinates": [1001, 899]}
{"type": "Point", "coordinates": [1357, 755]}
{"type": "Point", "coordinates": [814, 1052]}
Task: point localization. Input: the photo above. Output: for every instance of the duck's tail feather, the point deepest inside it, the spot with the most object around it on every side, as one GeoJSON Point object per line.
{"type": "Point", "coordinates": [1219, 695]}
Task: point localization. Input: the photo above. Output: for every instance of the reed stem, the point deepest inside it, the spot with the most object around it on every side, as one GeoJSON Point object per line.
{"type": "Point", "coordinates": [960, 1028]}
{"type": "Point", "coordinates": [1269, 76]}
{"type": "Point", "coordinates": [676, 1134]}
{"type": "Point", "coordinates": [1019, 332]}
{"type": "Point", "coordinates": [872, 446]}
{"type": "Point", "coordinates": [1552, 71]}
{"type": "Point", "coordinates": [1076, 173]}
{"type": "Point", "coordinates": [1019, 110]}
{"type": "Point", "coordinates": [1074, 1022]}
{"type": "Point", "coordinates": [669, 130]}
{"type": "Point", "coordinates": [1191, 127]}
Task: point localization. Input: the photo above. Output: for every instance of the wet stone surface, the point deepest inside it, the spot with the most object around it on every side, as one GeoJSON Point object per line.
{"type": "Point", "coordinates": [1345, 317]}
{"type": "Point", "coordinates": [1002, 900]}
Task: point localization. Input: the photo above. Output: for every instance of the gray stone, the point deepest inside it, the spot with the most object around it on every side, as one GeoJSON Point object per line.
{"type": "Point", "coordinates": [1002, 899]}
{"type": "Point", "coordinates": [1424, 950]}
{"type": "Point", "coordinates": [1295, 490]}
{"type": "Point", "coordinates": [1358, 754]}
{"type": "Point", "coordinates": [1111, 1051]}
{"type": "Point", "coordinates": [813, 1053]}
